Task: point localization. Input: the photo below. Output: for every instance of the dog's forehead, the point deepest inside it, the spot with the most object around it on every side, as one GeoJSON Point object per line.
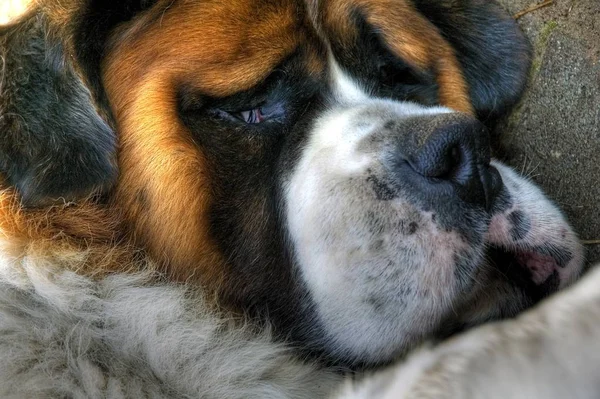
{"type": "Point", "coordinates": [223, 46]}
{"type": "Point", "coordinates": [229, 47]}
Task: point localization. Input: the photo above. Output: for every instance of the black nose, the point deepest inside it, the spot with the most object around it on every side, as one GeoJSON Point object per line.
{"type": "Point", "coordinates": [457, 152]}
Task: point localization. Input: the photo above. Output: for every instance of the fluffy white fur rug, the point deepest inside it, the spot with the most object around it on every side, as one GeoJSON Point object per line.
{"type": "Point", "coordinates": [64, 335]}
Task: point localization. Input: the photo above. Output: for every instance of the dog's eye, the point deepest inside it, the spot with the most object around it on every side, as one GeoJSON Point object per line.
{"type": "Point", "coordinates": [252, 116]}
{"type": "Point", "coordinates": [262, 112]}
{"type": "Point", "coordinates": [265, 112]}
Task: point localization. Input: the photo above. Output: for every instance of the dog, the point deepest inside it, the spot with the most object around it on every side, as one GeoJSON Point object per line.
{"type": "Point", "coordinates": [251, 198]}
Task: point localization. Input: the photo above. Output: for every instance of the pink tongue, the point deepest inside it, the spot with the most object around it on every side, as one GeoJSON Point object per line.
{"type": "Point", "coordinates": [541, 266]}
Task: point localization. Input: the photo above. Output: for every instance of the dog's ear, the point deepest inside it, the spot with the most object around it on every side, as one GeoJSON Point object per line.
{"type": "Point", "coordinates": [493, 52]}
{"type": "Point", "coordinates": [54, 143]}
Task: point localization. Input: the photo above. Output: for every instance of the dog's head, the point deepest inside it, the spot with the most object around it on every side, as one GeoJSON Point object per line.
{"type": "Point", "coordinates": [320, 164]}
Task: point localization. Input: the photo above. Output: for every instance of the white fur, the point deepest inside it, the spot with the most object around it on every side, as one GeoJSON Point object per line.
{"type": "Point", "coordinates": [346, 89]}
{"type": "Point", "coordinates": [548, 223]}
{"type": "Point", "coordinates": [333, 245]}
{"type": "Point", "coordinates": [65, 335]}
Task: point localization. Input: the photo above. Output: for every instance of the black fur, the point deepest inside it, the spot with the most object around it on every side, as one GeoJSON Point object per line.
{"type": "Point", "coordinates": [492, 50]}
{"type": "Point", "coordinates": [245, 162]}
{"type": "Point", "coordinates": [382, 73]}
{"type": "Point", "coordinates": [56, 145]}
{"type": "Point", "coordinates": [53, 143]}
{"type": "Point", "coordinates": [521, 225]}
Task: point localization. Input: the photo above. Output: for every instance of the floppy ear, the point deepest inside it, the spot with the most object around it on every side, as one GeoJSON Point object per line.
{"type": "Point", "coordinates": [54, 144]}
{"type": "Point", "coordinates": [492, 50]}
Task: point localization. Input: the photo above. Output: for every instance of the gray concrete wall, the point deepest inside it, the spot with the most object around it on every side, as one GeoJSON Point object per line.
{"type": "Point", "coordinates": [553, 135]}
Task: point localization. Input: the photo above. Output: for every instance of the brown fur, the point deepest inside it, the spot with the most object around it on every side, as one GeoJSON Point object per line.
{"type": "Point", "coordinates": [81, 236]}
{"type": "Point", "coordinates": [187, 45]}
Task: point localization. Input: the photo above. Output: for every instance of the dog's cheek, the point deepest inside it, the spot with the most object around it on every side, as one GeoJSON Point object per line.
{"type": "Point", "coordinates": [369, 257]}
{"type": "Point", "coordinates": [55, 146]}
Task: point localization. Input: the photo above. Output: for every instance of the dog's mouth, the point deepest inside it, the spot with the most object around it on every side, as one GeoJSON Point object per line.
{"type": "Point", "coordinates": [534, 270]}
{"type": "Point", "coordinates": [515, 279]}
{"type": "Point", "coordinates": [530, 252]}
{"type": "Point", "coordinates": [529, 241]}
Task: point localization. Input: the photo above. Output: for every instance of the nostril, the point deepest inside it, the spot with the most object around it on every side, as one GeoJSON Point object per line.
{"type": "Point", "coordinates": [492, 184]}
{"type": "Point", "coordinates": [437, 162]}
{"type": "Point", "coordinates": [452, 149]}
{"type": "Point", "coordinates": [455, 155]}
{"type": "Point", "coordinates": [461, 164]}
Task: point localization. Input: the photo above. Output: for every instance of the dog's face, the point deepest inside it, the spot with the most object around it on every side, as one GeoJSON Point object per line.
{"type": "Point", "coordinates": [319, 164]}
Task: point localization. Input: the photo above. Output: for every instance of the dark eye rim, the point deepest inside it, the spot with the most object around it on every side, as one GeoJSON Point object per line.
{"type": "Point", "coordinates": [278, 98]}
